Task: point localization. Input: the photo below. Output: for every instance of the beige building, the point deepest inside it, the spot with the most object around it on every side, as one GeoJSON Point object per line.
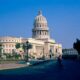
{"type": "Point", "coordinates": [8, 43]}
{"type": "Point", "coordinates": [42, 44]}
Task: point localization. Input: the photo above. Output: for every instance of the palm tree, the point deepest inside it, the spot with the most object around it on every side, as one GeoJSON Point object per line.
{"type": "Point", "coordinates": [25, 46]}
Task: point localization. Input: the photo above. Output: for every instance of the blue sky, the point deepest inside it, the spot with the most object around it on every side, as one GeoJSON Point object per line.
{"type": "Point", "coordinates": [17, 17]}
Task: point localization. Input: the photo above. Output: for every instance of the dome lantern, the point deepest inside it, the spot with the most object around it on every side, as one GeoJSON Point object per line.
{"type": "Point", "coordinates": [40, 12]}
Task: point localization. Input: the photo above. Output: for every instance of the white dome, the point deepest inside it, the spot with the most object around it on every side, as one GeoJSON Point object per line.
{"type": "Point", "coordinates": [40, 18]}
{"type": "Point", "coordinates": [40, 30]}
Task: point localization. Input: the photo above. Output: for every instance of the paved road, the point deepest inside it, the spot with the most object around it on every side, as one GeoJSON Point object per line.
{"type": "Point", "coordinates": [70, 70]}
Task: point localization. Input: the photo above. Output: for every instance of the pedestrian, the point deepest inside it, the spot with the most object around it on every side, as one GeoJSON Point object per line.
{"type": "Point", "coordinates": [60, 60]}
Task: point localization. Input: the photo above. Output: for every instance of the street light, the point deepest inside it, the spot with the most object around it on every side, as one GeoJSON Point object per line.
{"type": "Point", "coordinates": [0, 50]}
{"type": "Point", "coordinates": [43, 53]}
{"type": "Point", "coordinates": [27, 47]}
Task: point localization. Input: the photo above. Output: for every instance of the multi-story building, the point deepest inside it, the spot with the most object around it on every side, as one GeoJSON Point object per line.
{"type": "Point", "coordinates": [8, 43]}
{"type": "Point", "coordinates": [70, 51]}
{"type": "Point", "coordinates": [42, 44]}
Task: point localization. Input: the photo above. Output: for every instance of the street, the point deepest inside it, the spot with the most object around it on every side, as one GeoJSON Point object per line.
{"type": "Point", "coordinates": [69, 70]}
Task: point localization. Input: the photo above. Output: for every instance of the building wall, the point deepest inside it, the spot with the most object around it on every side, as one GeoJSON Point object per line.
{"type": "Point", "coordinates": [70, 51]}
{"type": "Point", "coordinates": [8, 43]}
{"type": "Point", "coordinates": [39, 49]}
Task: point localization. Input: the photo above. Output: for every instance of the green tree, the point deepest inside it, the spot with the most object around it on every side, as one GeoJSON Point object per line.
{"type": "Point", "coordinates": [17, 45]}
{"type": "Point", "coordinates": [8, 56]}
{"type": "Point", "coordinates": [15, 55]}
{"type": "Point", "coordinates": [76, 45]}
{"type": "Point", "coordinates": [25, 46]}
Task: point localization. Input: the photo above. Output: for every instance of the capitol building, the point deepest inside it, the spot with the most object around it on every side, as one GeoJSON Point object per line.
{"type": "Point", "coordinates": [42, 44]}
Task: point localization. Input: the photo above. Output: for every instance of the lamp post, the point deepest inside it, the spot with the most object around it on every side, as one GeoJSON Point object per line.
{"type": "Point", "coordinates": [27, 47]}
{"type": "Point", "coordinates": [43, 53]}
{"type": "Point", "coordinates": [0, 50]}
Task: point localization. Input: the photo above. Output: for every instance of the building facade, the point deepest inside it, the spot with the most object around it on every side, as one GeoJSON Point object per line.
{"type": "Point", "coordinates": [42, 44]}
{"type": "Point", "coordinates": [8, 43]}
{"type": "Point", "coordinates": [70, 51]}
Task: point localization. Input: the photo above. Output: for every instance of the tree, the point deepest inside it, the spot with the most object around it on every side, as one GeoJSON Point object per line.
{"type": "Point", "coordinates": [17, 45]}
{"type": "Point", "coordinates": [25, 46]}
{"type": "Point", "coordinates": [8, 56]}
{"type": "Point", "coordinates": [76, 45]}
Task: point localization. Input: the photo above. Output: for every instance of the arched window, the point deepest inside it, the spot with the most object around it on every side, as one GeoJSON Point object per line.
{"type": "Point", "coordinates": [40, 25]}
{"type": "Point", "coordinates": [56, 50]}
{"type": "Point", "coordinates": [36, 24]}
{"type": "Point", "coordinates": [40, 32]}
{"type": "Point", "coordinates": [38, 19]}
{"type": "Point", "coordinates": [45, 32]}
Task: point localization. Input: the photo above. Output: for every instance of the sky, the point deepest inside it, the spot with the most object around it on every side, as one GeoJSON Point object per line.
{"type": "Point", "coordinates": [63, 16]}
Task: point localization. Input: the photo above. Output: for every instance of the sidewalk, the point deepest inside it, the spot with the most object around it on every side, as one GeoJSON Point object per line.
{"type": "Point", "coordinates": [11, 66]}
{"type": "Point", "coordinates": [21, 64]}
